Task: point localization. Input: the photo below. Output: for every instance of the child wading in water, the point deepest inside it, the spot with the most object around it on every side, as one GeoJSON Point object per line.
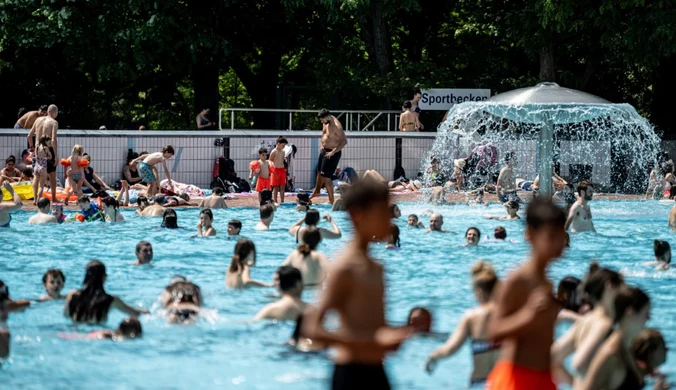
{"type": "Point", "coordinates": [526, 309]}
{"type": "Point", "coordinates": [53, 280]}
{"type": "Point", "coordinates": [204, 227]}
{"type": "Point", "coordinates": [356, 291]}
{"type": "Point", "coordinates": [146, 166]}
{"type": "Point", "coordinates": [278, 181]}
{"type": "Point", "coordinates": [42, 157]}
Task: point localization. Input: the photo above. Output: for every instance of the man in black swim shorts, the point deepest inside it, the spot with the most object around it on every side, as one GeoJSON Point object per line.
{"type": "Point", "coordinates": [333, 141]}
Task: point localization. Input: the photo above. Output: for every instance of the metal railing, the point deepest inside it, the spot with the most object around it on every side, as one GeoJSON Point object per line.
{"type": "Point", "coordinates": [289, 119]}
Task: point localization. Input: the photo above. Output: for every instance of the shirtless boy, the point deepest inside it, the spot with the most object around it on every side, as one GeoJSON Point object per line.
{"type": "Point", "coordinates": [53, 281]}
{"type": "Point", "coordinates": [146, 164]}
{"type": "Point", "coordinates": [44, 214]}
{"type": "Point", "coordinates": [580, 215]}
{"type": "Point", "coordinates": [512, 208]}
{"type": "Point", "coordinates": [408, 121]}
{"type": "Point", "coordinates": [356, 291]}
{"type": "Point", "coordinates": [333, 141]}
{"type": "Point", "coordinates": [267, 213]}
{"type": "Point", "coordinates": [145, 209]}
{"type": "Point", "coordinates": [28, 119]}
{"type": "Point", "coordinates": [290, 306]}
{"type": "Point", "coordinates": [46, 125]}
{"type": "Point", "coordinates": [526, 310]}
{"type": "Point", "coordinates": [214, 201]}
{"type": "Point", "coordinates": [261, 169]}
{"type": "Point", "coordinates": [278, 176]}
{"type": "Point", "coordinates": [506, 186]}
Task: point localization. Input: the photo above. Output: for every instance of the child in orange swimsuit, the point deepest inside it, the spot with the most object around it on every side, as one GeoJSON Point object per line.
{"type": "Point", "coordinates": [261, 169]}
{"type": "Point", "coordinates": [278, 170]}
{"type": "Point", "coordinates": [526, 310]}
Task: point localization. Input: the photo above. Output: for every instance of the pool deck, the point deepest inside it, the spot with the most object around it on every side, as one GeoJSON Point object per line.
{"type": "Point", "coordinates": [252, 200]}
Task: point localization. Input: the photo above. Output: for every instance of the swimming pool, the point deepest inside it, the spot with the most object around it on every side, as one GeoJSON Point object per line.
{"type": "Point", "coordinates": [221, 351]}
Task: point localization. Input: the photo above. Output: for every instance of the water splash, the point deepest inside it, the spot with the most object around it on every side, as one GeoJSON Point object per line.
{"type": "Point", "coordinates": [610, 144]}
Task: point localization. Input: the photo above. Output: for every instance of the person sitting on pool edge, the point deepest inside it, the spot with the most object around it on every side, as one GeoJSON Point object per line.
{"type": "Point", "coordinates": [145, 209]}
{"type": "Point", "coordinates": [662, 255]}
{"type": "Point", "coordinates": [311, 219]}
{"type": "Point", "coordinates": [204, 226]}
{"type": "Point", "coordinates": [214, 201]}
{"type": "Point", "coordinates": [53, 281]}
{"type": "Point", "coordinates": [44, 214]}
{"type": "Point", "coordinates": [512, 208]}
{"type": "Point", "coordinates": [267, 213]}
{"type": "Point", "coordinates": [436, 222]}
{"type": "Point", "coordinates": [290, 306]}
{"type": "Point", "coordinates": [185, 301]}
{"type": "Point", "coordinates": [234, 227]}
{"type": "Point", "coordinates": [169, 219]}
{"type": "Point", "coordinates": [130, 328]}
{"type": "Point", "coordinates": [239, 273]}
{"type": "Point", "coordinates": [414, 222]}
{"type": "Point", "coordinates": [144, 253]}
{"type": "Point", "coordinates": [92, 303]}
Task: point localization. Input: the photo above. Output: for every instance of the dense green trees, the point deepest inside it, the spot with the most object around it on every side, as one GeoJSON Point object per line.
{"type": "Point", "coordinates": [157, 63]}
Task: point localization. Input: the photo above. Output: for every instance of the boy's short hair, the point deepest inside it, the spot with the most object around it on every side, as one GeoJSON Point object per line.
{"type": "Point", "coordinates": [262, 150]}
{"type": "Point", "coordinates": [55, 273]}
{"type": "Point", "coordinates": [266, 196]}
{"type": "Point", "coordinates": [288, 277]}
{"type": "Point", "coordinates": [217, 191]}
{"type": "Point", "coordinates": [141, 244]}
{"type": "Point", "coordinates": [541, 212]}
{"type": "Point", "coordinates": [500, 233]}
{"type": "Point", "coordinates": [28, 172]}
{"type": "Point", "coordinates": [583, 186]}
{"type": "Point", "coordinates": [236, 223]}
{"type": "Point", "coordinates": [266, 211]}
{"type": "Point", "coordinates": [414, 216]}
{"type": "Point", "coordinates": [364, 194]}
{"type": "Point", "coordinates": [43, 202]}
{"type": "Point", "coordinates": [323, 113]}
{"type": "Point", "coordinates": [168, 149]}
{"type": "Point", "coordinates": [282, 140]}
{"type": "Point", "coordinates": [83, 199]}
{"type": "Point", "coordinates": [513, 204]}
{"type": "Point", "coordinates": [208, 213]}
{"type": "Point", "coordinates": [160, 199]}
{"type": "Point", "coordinates": [661, 248]}
{"type": "Point", "coordinates": [142, 200]}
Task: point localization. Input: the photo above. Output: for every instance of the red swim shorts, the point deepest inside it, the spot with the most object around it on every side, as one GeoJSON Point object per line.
{"type": "Point", "coordinates": [262, 183]}
{"type": "Point", "coordinates": [509, 376]}
{"type": "Point", "coordinates": [278, 177]}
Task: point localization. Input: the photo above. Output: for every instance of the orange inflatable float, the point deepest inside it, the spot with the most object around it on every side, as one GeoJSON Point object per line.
{"type": "Point", "coordinates": [65, 162]}
{"type": "Point", "coordinates": [60, 195]}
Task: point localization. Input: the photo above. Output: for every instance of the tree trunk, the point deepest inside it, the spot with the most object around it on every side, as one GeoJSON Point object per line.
{"type": "Point", "coordinates": [205, 84]}
{"type": "Point", "coordinates": [547, 72]}
{"type": "Point", "coordinates": [662, 113]}
{"type": "Point", "coordinates": [376, 36]}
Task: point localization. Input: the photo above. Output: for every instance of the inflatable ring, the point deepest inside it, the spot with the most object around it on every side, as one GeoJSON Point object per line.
{"type": "Point", "coordinates": [83, 163]}
{"type": "Point", "coordinates": [65, 162]}
{"type": "Point", "coordinates": [60, 196]}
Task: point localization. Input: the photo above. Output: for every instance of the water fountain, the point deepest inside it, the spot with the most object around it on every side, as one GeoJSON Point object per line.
{"type": "Point", "coordinates": [587, 136]}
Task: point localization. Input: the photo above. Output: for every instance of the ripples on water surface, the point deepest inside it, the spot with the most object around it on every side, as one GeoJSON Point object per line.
{"type": "Point", "coordinates": [221, 351]}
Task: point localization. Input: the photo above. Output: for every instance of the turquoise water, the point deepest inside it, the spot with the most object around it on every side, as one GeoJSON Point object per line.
{"type": "Point", "coordinates": [221, 351]}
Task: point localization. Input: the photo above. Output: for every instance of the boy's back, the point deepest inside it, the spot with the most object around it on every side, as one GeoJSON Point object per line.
{"type": "Point", "coordinates": [153, 158]}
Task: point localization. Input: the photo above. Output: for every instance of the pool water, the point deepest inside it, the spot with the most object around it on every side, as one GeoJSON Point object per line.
{"type": "Point", "coordinates": [222, 351]}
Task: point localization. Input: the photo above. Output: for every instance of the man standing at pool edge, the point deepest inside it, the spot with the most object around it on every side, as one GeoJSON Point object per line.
{"type": "Point", "coordinates": [333, 141]}
{"type": "Point", "coordinates": [46, 125]}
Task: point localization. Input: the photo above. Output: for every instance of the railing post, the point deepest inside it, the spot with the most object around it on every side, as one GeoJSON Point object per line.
{"type": "Point", "coordinates": [220, 119]}
{"type": "Point", "coordinates": [388, 123]}
{"type": "Point", "coordinates": [359, 121]}
{"type": "Point", "coordinates": [232, 120]}
{"type": "Point", "coordinates": [290, 120]}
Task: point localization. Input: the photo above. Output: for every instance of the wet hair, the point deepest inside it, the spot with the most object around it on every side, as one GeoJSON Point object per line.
{"type": "Point", "coordinates": [169, 219]}
{"type": "Point", "coordinates": [4, 292]}
{"type": "Point", "coordinates": [142, 200]}
{"type": "Point", "coordinates": [288, 277]}
{"type": "Point", "coordinates": [140, 246]}
{"type": "Point", "coordinates": [130, 327]}
{"type": "Point", "coordinates": [583, 186]}
{"type": "Point", "coordinates": [567, 293]}
{"type": "Point", "coordinates": [646, 343]}
{"type": "Point", "coordinates": [500, 233]}
{"type": "Point", "coordinates": [512, 204]}
{"type": "Point", "coordinates": [91, 302]}
{"type": "Point", "coordinates": [217, 191]}
{"type": "Point", "coordinates": [480, 267]}
{"type": "Point", "coordinates": [311, 238]}
{"type": "Point", "coordinates": [414, 216]}
{"type": "Point", "coordinates": [43, 202]}
{"type": "Point", "coordinates": [237, 224]}
{"type": "Point", "coordinates": [266, 211]}
{"type": "Point", "coordinates": [43, 107]}
{"type": "Point", "coordinates": [208, 213]}
{"type": "Point", "coordinates": [394, 231]}
{"type": "Point", "coordinates": [323, 113]}
{"type": "Point", "coordinates": [541, 212]}
{"type": "Point", "coordinates": [661, 249]}
{"type": "Point", "coordinates": [110, 202]}
{"type": "Point", "coordinates": [184, 292]}
{"type": "Point", "coordinates": [393, 206]}
{"type": "Point", "coordinates": [281, 140]}
{"type": "Point", "coordinates": [168, 149]}
{"type": "Point", "coordinates": [485, 281]}
{"type": "Point", "coordinates": [242, 250]}
{"type": "Point", "coordinates": [427, 316]}
{"type": "Point", "coordinates": [477, 231]}
{"type": "Point", "coordinates": [364, 194]}
{"type": "Point", "coordinates": [160, 199]}
{"type": "Point", "coordinates": [312, 217]}
{"type": "Point", "coordinates": [262, 150]}
{"type": "Point", "coordinates": [55, 273]}
{"type": "Point", "coordinates": [629, 298]}
{"type": "Point", "coordinates": [407, 104]}
{"type": "Point", "coordinates": [596, 284]}
{"type": "Point", "coordinates": [83, 199]}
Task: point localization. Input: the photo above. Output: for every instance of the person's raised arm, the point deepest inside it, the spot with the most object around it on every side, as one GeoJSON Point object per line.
{"type": "Point", "coordinates": [31, 144]}
{"type": "Point", "coordinates": [246, 279]}
{"type": "Point", "coordinates": [511, 319]}
{"type": "Point", "coordinates": [294, 228]}
{"type": "Point", "coordinates": [17, 203]}
{"type": "Point", "coordinates": [126, 309]}
{"type": "Point", "coordinates": [452, 345]}
{"type": "Point", "coordinates": [335, 233]}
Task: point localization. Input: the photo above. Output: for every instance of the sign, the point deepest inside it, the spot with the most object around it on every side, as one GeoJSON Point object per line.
{"type": "Point", "coordinates": [444, 98]}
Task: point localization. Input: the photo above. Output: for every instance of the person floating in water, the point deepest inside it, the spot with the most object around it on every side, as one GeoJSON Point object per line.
{"type": "Point", "coordinates": [580, 215]}
{"type": "Point", "coordinates": [662, 255]}
{"type": "Point", "coordinates": [130, 328]}
{"type": "Point", "coordinates": [290, 306]}
{"type": "Point", "coordinates": [53, 281]}
{"type": "Point", "coordinates": [526, 309]}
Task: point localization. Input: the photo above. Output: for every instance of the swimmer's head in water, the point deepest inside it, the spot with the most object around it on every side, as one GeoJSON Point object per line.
{"type": "Point", "coordinates": [545, 223]}
{"type": "Point", "coordinates": [585, 190]}
{"type": "Point", "coordinates": [512, 205]}
{"type": "Point", "coordinates": [245, 254]}
{"type": "Point", "coordinates": [568, 292]}
{"type": "Point", "coordinates": [110, 203]}
{"type": "Point", "coordinates": [206, 217]}
{"type": "Point", "coordinates": [84, 202]}
{"type": "Point", "coordinates": [632, 308]}
{"type": "Point", "coordinates": [500, 233]}
{"type": "Point", "coordinates": [311, 238]}
{"type": "Point", "coordinates": [650, 348]}
{"type": "Point", "coordinates": [603, 284]}
{"type": "Point", "coordinates": [412, 220]}
{"type": "Point", "coordinates": [144, 252]}
{"type": "Point", "coordinates": [662, 251]}
{"type": "Point", "coordinates": [472, 236]}
{"type": "Point", "coordinates": [57, 211]}
{"type": "Point", "coordinates": [53, 281]}
{"type": "Point", "coordinates": [234, 226]}
{"type": "Point", "coordinates": [395, 211]}
{"type": "Point", "coordinates": [185, 292]}
{"type": "Point", "coordinates": [394, 236]}
{"type": "Point", "coordinates": [436, 222]}
{"type": "Point", "coordinates": [312, 217]}
{"type": "Point", "coordinates": [267, 212]}
{"type": "Point", "coordinates": [44, 205]}
{"type": "Point", "coordinates": [169, 219]}
{"type": "Point", "coordinates": [289, 280]}
{"type": "Point", "coordinates": [4, 300]}
{"type": "Point", "coordinates": [420, 319]}
{"type": "Point", "coordinates": [142, 202]}
{"type": "Point", "coordinates": [367, 202]}
{"type": "Point", "coordinates": [130, 328]}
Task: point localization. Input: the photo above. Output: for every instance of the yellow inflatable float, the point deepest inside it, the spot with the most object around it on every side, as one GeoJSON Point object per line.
{"type": "Point", "coordinates": [23, 188]}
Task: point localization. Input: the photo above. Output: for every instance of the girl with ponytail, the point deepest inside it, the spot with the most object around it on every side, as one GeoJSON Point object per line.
{"type": "Point", "coordinates": [313, 265]}
{"type": "Point", "coordinates": [238, 275]}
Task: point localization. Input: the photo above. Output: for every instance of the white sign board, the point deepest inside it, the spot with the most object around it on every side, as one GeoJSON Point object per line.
{"type": "Point", "coordinates": [443, 98]}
